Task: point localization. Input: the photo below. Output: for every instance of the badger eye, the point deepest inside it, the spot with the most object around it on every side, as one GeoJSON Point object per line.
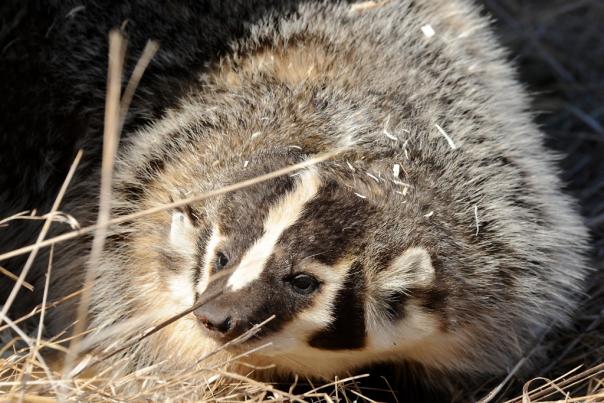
{"type": "Point", "coordinates": [221, 261]}
{"type": "Point", "coordinates": [304, 284]}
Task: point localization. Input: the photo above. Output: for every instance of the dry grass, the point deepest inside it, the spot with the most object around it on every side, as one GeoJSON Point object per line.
{"type": "Point", "coordinates": [559, 47]}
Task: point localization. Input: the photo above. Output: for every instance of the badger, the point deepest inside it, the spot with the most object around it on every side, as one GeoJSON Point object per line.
{"type": "Point", "coordinates": [436, 234]}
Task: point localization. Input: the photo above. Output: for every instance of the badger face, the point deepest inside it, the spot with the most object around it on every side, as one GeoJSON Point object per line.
{"type": "Point", "coordinates": [302, 250]}
{"type": "Point", "coordinates": [285, 251]}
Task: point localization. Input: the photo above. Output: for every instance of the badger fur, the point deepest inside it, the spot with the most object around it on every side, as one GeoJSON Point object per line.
{"type": "Point", "coordinates": [438, 235]}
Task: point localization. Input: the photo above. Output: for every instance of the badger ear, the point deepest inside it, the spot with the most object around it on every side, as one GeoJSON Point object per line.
{"type": "Point", "coordinates": [413, 267]}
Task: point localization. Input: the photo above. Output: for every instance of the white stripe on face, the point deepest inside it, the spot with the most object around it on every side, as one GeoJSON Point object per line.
{"type": "Point", "coordinates": [182, 234]}
{"type": "Point", "coordinates": [210, 256]}
{"type": "Point", "coordinates": [280, 217]}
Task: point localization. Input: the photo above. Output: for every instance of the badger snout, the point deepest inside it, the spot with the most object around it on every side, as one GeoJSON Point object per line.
{"type": "Point", "coordinates": [220, 321]}
{"type": "Point", "coordinates": [215, 321]}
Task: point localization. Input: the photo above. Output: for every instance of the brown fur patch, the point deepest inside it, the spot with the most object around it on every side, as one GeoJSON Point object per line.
{"type": "Point", "coordinates": [291, 65]}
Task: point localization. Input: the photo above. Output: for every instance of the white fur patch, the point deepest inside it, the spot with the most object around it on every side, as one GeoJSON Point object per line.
{"type": "Point", "coordinates": [413, 268]}
{"type": "Point", "coordinates": [182, 239]}
{"type": "Point", "coordinates": [181, 230]}
{"type": "Point", "coordinates": [181, 289]}
{"type": "Point", "coordinates": [280, 217]}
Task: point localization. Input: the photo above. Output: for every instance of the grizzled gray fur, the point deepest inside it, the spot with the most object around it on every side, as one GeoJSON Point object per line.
{"type": "Point", "coordinates": [438, 235]}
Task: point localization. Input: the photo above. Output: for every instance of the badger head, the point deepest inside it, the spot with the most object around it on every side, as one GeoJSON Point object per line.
{"type": "Point", "coordinates": [322, 260]}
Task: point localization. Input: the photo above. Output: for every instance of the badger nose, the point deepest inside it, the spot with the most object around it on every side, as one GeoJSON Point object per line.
{"type": "Point", "coordinates": [215, 319]}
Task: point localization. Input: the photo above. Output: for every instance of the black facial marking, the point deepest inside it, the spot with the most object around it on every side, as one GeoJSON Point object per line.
{"type": "Point", "coordinates": [331, 225]}
{"type": "Point", "coordinates": [347, 331]}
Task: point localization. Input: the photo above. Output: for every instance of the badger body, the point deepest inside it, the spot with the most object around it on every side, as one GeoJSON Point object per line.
{"type": "Point", "coordinates": [437, 235]}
